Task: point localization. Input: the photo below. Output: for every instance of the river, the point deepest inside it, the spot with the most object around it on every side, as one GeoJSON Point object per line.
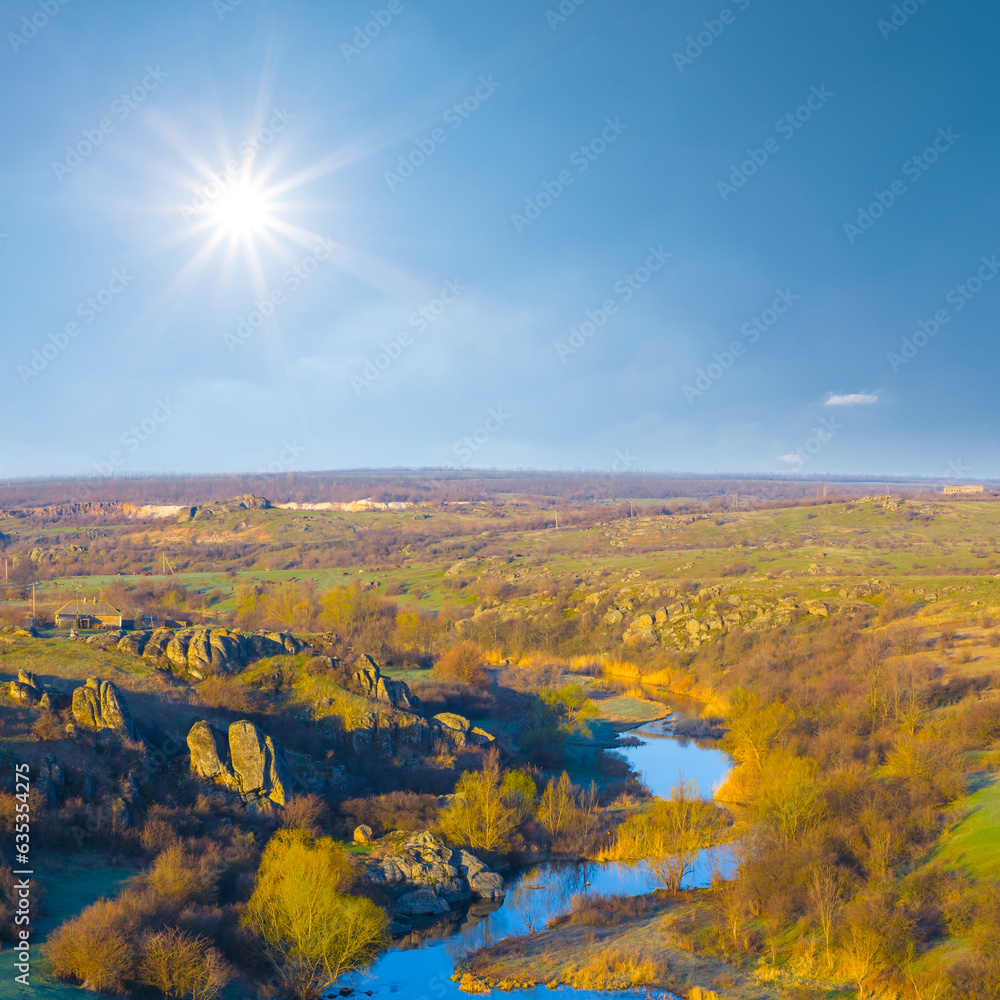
{"type": "Point", "coordinates": [419, 967]}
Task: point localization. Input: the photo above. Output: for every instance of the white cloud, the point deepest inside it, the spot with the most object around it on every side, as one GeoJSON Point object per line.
{"type": "Point", "coordinates": [791, 459]}
{"type": "Point", "coordinates": [851, 399]}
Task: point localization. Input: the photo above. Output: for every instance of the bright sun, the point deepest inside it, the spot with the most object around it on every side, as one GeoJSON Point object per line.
{"type": "Point", "coordinates": [242, 211]}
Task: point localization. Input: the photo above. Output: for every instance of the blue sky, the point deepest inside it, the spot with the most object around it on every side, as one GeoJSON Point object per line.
{"type": "Point", "coordinates": [666, 236]}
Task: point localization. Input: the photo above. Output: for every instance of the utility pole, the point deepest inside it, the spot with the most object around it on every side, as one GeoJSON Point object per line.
{"type": "Point", "coordinates": [736, 499]}
{"type": "Point", "coordinates": [557, 520]}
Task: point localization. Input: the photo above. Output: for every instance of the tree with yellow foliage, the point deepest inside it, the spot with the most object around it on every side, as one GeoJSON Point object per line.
{"type": "Point", "coordinates": [302, 920]}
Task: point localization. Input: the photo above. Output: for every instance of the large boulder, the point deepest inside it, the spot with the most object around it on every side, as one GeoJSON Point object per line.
{"type": "Point", "coordinates": [99, 705]}
{"type": "Point", "coordinates": [27, 694]}
{"type": "Point", "coordinates": [209, 754]}
{"type": "Point", "coordinates": [248, 762]}
{"type": "Point", "coordinates": [456, 731]}
{"type": "Point", "coordinates": [176, 650]}
{"type": "Point", "coordinates": [248, 752]}
{"type": "Point", "coordinates": [133, 643]}
{"type": "Point", "coordinates": [369, 682]}
{"type": "Point", "coordinates": [106, 640]}
{"type": "Point", "coordinates": [155, 648]}
{"type": "Point", "coordinates": [429, 873]}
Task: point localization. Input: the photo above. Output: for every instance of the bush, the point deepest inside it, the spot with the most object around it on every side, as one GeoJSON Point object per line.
{"type": "Point", "coordinates": [609, 911]}
{"type": "Point", "coordinates": [181, 965]}
{"type": "Point", "coordinates": [180, 878]}
{"type": "Point", "coordinates": [48, 727]}
{"type": "Point", "coordinates": [157, 835]}
{"type": "Point", "coordinates": [392, 811]}
{"type": "Point", "coordinates": [462, 663]}
{"type": "Point", "coordinates": [306, 812]}
{"type": "Point", "coordinates": [304, 926]}
{"type": "Point", "coordinates": [94, 948]}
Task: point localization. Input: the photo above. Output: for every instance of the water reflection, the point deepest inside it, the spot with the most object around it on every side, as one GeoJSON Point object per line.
{"type": "Point", "coordinates": [421, 964]}
{"type": "Point", "coordinates": [663, 760]}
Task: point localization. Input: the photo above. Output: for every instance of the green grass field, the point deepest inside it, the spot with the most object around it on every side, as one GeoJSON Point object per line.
{"type": "Point", "coordinates": [975, 842]}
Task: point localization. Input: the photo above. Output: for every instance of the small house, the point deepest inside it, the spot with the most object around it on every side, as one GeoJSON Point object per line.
{"type": "Point", "coordinates": [84, 613]}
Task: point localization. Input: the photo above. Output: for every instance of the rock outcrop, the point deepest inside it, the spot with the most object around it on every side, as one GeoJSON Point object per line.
{"type": "Point", "coordinates": [370, 683]}
{"type": "Point", "coordinates": [201, 652]}
{"type": "Point", "coordinates": [245, 761]}
{"type": "Point", "coordinates": [21, 631]}
{"type": "Point", "coordinates": [458, 731]}
{"type": "Point", "coordinates": [99, 705]}
{"type": "Point", "coordinates": [106, 640]}
{"type": "Point", "coordinates": [51, 782]}
{"type": "Point", "coordinates": [431, 876]}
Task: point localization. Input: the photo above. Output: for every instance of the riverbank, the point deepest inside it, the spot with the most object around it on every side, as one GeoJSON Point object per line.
{"type": "Point", "coordinates": [654, 950]}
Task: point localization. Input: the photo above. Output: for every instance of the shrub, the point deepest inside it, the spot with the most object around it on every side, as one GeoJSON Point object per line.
{"type": "Point", "coordinates": [305, 927]}
{"type": "Point", "coordinates": [157, 835]}
{"type": "Point", "coordinates": [306, 812]}
{"type": "Point", "coordinates": [181, 965]}
{"type": "Point", "coordinates": [462, 663]}
{"type": "Point", "coordinates": [93, 948]}
{"type": "Point", "coordinates": [609, 911]}
{"type": "Point", "coordinates": [179, 877]}
{"type": "Point", "coordinates": [391, 811]}
{"type": "Point", "coordinates": [48, 727]}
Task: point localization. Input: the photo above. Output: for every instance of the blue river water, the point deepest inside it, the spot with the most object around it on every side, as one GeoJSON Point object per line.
{"type": "Point", "coordinates": [420, 966]}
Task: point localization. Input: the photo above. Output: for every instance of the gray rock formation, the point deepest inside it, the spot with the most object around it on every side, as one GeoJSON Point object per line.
{"type": "Point", "coordinates": [431, 876]}
{"type": "Point", "coordinates": [201, 652]}
{"type": "Point", "coordinates": [248, 762]}
{"type": "Point", "coordinates": [26, 688]}
{"type": "Point", "coordinates": [210, 754]}
{"type": "Point", "coordinates": [106, 640]}
{"type": "Point", "coordinates": [23, 632]}
{"type": "Point", "coordinates": [458, 731]}
{"type": "Point", "coordinates": [370, 683]}
{"type": "Point", "coordinates": [100, 705]}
